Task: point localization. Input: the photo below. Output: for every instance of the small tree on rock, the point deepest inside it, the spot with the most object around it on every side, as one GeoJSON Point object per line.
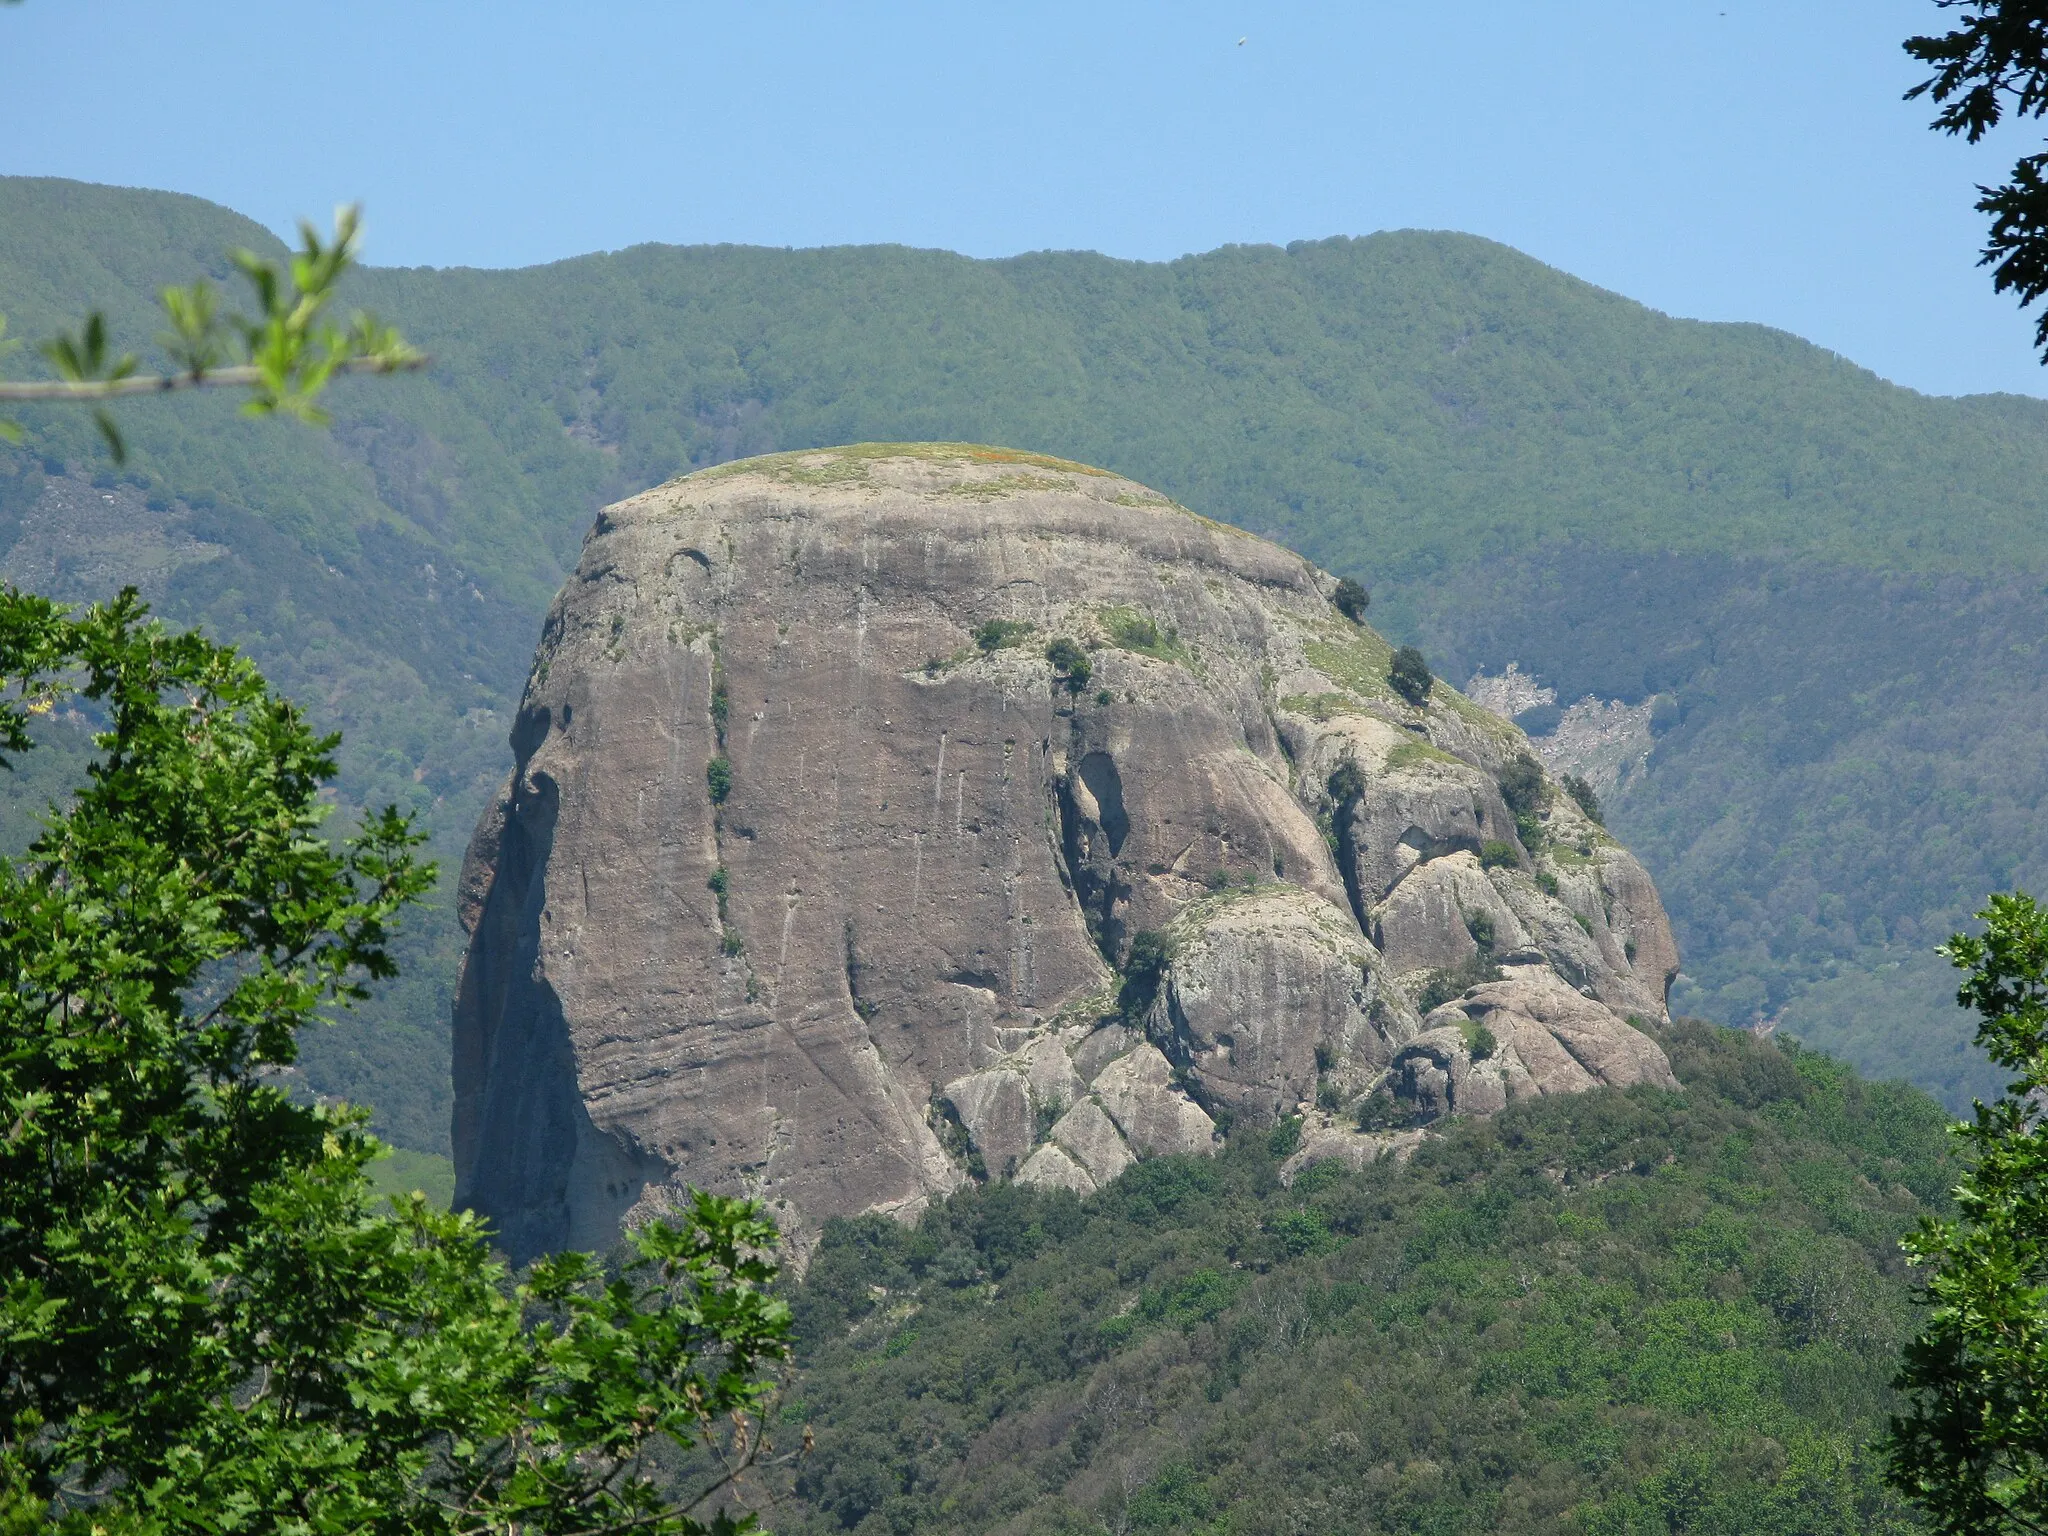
{"type": "Point", "coordinates": [1070, 664]}
{"type": "Point", "coordinates": [1351, 599]}
{"type": "Point", "coordinates": [1409, 675]}
{"type": "Point", "coordinates": [1144, 968]}
{"type": "Point", "coordinates": [1584, 796]}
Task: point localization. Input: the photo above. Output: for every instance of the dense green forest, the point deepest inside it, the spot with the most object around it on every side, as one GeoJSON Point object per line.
{"type": "Point", "coordinates": [1830, 575]}
{"type": "Point", "coordinates": [1617, 1313]}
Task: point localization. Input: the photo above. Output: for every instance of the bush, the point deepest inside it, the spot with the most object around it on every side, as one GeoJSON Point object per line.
{"type": "Point", "coordinates": [1284, 1138]}
{"type": "Point", "coordinates": [1546, 882]}
{"type": "Point", "coordinates": [1383, 1112]}
{"type": "Point", "coordinates": [1522, 786]}
{"type": "Point", "coordinates": [996, 634]}
{"type": "Point", "coordinates": [1582, 794]}
{"type": "Point", "coordinates": [1136, 632]}
{"type": "Point", "coordinates": [214, 1320]}
{"type": "Point", "coordinates": [1044, 1117]}
{"type": "Point", "coordinates": [1665, 713]}
{"type": "Point", "coordinates": [1351, 599]}
{"type": "Point", "coordinates": [1409, 675]}
{"type": "Point", "coordinates": [1479, 1041]}
{"type": "Point", "coordinates": [718, 779]}
{"type": "Point", "coordinates": [1496, 854]}
{"type": "Point", "coordinates": [1480, 926]}
{"type": "Point", "coordinates": [1144, 968]}
{"type": "Point", "coordinates": [1070, 663]}
{"type": "Point", "coordinates": [1103, 697]}
{"type": "Point", "coordinates": [1347, 782]}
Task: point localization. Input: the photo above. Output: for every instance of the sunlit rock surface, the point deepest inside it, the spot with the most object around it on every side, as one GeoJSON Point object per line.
{"type": "Point", "coordinates": [810, 884]}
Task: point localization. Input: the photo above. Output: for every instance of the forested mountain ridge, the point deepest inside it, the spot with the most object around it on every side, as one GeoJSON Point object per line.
{"type": "Point", "coordinates": [1625, 1313]}
{"type": "Point", "coordinates": [1486, 441]}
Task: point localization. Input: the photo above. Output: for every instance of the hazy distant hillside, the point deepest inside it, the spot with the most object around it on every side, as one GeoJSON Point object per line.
{"type": "Point", "coordinates": [1834, 578]}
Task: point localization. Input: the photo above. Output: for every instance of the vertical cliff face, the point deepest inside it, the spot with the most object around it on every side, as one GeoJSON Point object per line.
{"type": "Point", "coordinates": [847, 784]}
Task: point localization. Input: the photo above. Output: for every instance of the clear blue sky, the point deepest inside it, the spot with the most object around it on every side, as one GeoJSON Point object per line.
{"type": "Point", "coordinates": [1728, 159]}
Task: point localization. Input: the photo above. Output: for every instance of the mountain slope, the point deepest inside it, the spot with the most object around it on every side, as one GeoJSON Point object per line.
{"type": "Point", "coordinates": [1484, 439]}
{"type": "Point", "coordinates": [1635, 1312]}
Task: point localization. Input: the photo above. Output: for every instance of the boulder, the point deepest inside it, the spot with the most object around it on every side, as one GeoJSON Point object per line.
{"type": "Point", "coordinates": [1273, 995]}
{"type": "Point", "coordinates": [1525, 1036]}
{"type": "Point", "coordinates": [1325, 1138]}
{"type": "Point", "coordinates": [997, 1111]}
{"type": "Point", "coordinates": [1088, 1133]}
{"type": "Point", "coordinates": [1053, 1167]}
{"type": "Point", "coordinates": [1427, 922]}
{"type": "Point", "coordinates": [1156, 1118]}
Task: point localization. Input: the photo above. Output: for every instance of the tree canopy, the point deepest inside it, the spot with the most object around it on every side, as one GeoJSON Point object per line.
{"type": "Point", "coordinates": [1996, 62]}
{"type": "Point", "coordinates": [207, 1320]}
{"type": "Point", "coordinates": [1972, 1446]}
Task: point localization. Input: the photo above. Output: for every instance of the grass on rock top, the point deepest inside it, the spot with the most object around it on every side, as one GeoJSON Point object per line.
{"type": "Point", "coordinates": [850, 461]}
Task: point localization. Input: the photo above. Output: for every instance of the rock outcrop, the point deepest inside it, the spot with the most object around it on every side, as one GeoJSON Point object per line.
{"type": "Point", "coordinates": [846, 782]}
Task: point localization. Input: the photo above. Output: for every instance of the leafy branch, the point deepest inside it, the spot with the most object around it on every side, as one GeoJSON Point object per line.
{"type": "Point", "coordinates": [1995, 62]}
{"type": "Point", "coordinates": [285, 353]}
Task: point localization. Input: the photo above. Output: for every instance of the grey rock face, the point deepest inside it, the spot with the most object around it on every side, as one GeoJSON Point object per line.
{"type": "Point", "coordinates": [815, 875]}
{"type": "Point", "coordinates": [1540, 1037]}
{"type": "Point", "coordinates": [1274, 993]}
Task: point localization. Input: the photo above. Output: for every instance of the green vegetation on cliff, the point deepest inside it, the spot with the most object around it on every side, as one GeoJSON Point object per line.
{"type": "Point", "coordinates": [1487, 442]}
{"type": "Point", "coordinates": [1615, 1313]}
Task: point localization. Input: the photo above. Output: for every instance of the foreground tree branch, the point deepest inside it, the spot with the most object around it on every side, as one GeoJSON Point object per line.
{"type": "Point", "coordinates": [284, 355]}
{"type": "Point", "coordinates": [239, 377]}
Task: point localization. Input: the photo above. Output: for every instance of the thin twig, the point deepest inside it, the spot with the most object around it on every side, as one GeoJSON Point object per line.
{"type": "Point", "coordinates": [162, 383]}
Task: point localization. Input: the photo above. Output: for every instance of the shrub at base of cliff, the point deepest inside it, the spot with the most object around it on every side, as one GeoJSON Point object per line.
{"type": "Point", "coordinates": [999, 634]}
{"type": "Point", "coordinates": [1496, 854]}
{"type": "Point", "coordinates": [1527, 797]}
{"type": "Point", "coordinates": [1144, 968]}
{"type": "Point", "coordinates": [1617, 1312]}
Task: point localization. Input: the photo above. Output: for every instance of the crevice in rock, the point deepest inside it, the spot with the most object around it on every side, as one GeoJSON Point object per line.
{"type": "Point", "coordinates": [1098, 772]}
{"type": "Point", "coordinates": [1342, 820]}
{"type": "Point", "coordinates": [1428, 847]}
{"type": "Point", "coordinates": [530, 728]}
{"type": "Point", "coordinates": [527, 1154]}
{"type": "Point", "coordinates": [1090, 851]}
{"type": "Point", "coordinates": [867, 1008]}
{"type": "Point", "coordinates": [1167, 1027]}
